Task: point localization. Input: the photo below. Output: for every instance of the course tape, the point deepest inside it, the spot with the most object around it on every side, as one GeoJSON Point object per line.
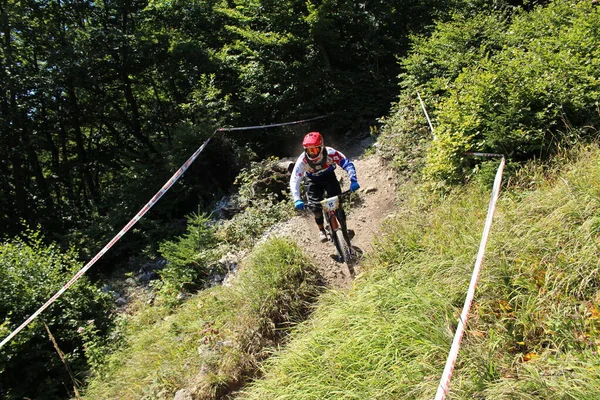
{"type": "Point", "coordinates": [426, 115]}
{"type": "Point", "coordinates": [444, 385]}
{"type": "Point", "coordinates": [110, 244]}
{"type": "Point", "coordinates": [484, 154]}
{"type": "Point", "coordinates": [135, 219]}
{"type": "Point", "coordinates": [245, 128]}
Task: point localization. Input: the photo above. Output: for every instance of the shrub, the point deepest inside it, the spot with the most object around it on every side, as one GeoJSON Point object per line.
{"type": "Point", "coordinates": [33, 272]}
{"type": "Point", "coordinates": [246, 227]}
{"type": "Point", "coordinates": [189, 258]}
{"type": "Point", "coordinates": [405, 137]}
{"type": "Point", "coordinates": [524, 88]}
{"type": "Point", "coordinates": [262, 195]}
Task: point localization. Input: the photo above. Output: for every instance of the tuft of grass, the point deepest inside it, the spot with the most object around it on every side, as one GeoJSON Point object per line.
{"type": "Point", "coordinates": [377, 342]}
{"type": "Point", "coordinates": [216, 339]}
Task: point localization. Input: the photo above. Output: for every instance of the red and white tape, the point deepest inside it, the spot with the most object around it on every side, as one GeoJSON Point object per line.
{"type": "Point", "coordinates": [246, 128]}
{"type": "Point", "coordinates": [135, 219]}
{"type": "Point", "coordinates": [110, 244]}
{"type": "Point", "coordinates": [444, 385]}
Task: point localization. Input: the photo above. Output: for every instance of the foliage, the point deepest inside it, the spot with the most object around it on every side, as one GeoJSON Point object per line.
{"type": "Point", "coordinates": [189, 258]}
{"type": "Point", "coordinates": [436, 60]}
{"type": "Point", "coordinates": [405, 137]}
{"type": "Point", "coordinates": [259, 180]}
{"type": "Point", "coordinates": [262, 195]}
{"type": "Point", "coordinates": [215, 339]}
{"type": "Point", "coordinates": [523, 86]}
{"type": "Point", "coordinates": [101, 101]}
{"type": "Point", "coordinates": [96, 344]}
{"type": "Point", "coordinates": [32, 273]}
{"type": "Point", "coordinates": [244, 228]}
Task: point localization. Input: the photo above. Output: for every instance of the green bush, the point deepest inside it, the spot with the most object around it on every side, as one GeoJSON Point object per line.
{"type": "Point", "coordinates": [527, 100]}
{"type": "Point", "coordinates": [524, 86]}
{"type": "Point", "coordinates": [32, 273]}
{"type": "Point", "coordinates": [188, 258]}
{"type": "Point", "coordinates": [405, 137]}
{"type": "Point", "coordinates": [438, 59]}
{"type": "Point", "coordinates": [262, 195]}
{"type": "Point", "coordinates": [246, 227]}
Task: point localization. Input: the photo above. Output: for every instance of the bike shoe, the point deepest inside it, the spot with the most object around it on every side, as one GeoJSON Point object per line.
{"type": "Point", "coordinates": [322, 236]}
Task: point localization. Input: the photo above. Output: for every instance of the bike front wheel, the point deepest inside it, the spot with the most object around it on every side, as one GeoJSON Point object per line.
{"type": "Point", "coordinates": [343, 247]}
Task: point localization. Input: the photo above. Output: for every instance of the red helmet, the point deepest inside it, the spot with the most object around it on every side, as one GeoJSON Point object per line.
{"type": "Point", "coordinates": [313, 146]}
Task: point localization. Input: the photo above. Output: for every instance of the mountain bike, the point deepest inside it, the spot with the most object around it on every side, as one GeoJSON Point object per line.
{"type": "Point", "coordinates": [336, 228]}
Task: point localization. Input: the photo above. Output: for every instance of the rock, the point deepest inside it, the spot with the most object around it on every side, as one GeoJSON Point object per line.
{"type": "Point", "coordinates": [150, 301]}
{"type": "Point", "coordinates": [154, 265]}
{"type": "Point", "coordinates": [146, 277]}
{"type": "Point", "coordinates": [182, 296]}
{"type": "Point", "coordinates": [183, 394]}
{"type": "Point", "coordinates": [369, 141]}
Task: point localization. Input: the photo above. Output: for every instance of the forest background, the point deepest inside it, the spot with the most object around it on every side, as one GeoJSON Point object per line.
{"type": "Point", "coordinates": [101, 101]}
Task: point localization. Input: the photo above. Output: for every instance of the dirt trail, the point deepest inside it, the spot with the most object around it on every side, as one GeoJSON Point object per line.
{"type": "Point", "coordinates": [377, 199]}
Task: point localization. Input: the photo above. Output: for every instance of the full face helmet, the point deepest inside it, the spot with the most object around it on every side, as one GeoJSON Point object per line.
{"type": "Point", "coordinates": [313, 146]}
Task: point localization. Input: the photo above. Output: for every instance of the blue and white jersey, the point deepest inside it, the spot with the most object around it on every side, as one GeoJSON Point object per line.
{"type": "Point", "coordinates": [303, 169]}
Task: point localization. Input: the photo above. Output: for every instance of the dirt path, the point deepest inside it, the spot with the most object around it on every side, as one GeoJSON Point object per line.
{"type": "Point", "coordinates": [377, 199]}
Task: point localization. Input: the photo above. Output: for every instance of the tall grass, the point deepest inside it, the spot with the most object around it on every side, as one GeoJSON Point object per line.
{"type": "Point", "coordinates": [215, 340]}
{"type": "Point", "coordinates": [533, 329]}
{"type": "Point", "coordinates": [533, 332]}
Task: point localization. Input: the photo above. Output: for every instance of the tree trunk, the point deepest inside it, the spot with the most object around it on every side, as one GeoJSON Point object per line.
{"type": "Point", "coordinates": [84, 163]}
{"type": "Point", "coordinates": [34, 162]}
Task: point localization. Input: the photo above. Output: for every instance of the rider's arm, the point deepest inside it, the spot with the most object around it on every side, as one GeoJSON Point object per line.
{"type": "Point", "coordinates": [341, 160]}
{"type": "Point", "coordinates": [298, 173]}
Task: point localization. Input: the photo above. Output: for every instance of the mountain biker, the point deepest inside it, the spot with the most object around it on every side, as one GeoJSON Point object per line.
{"type": "Point", "coordinates": [317, 164]}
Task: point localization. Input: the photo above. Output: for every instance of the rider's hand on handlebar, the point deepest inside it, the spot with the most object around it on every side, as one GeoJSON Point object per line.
{"type": "Point", "coordinates": [354, 186]}
{"type": "Point", "coordinates": [299, 205]}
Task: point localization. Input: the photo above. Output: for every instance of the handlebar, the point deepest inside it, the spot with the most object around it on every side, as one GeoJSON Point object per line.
{"type": "Point", "coordinates": [341, 196]}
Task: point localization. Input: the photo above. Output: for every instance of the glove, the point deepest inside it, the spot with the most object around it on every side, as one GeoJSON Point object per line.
{"type": "Point", "coordinates": [299, 205]}
{"type": "Point", "coordinates": [354, 186]}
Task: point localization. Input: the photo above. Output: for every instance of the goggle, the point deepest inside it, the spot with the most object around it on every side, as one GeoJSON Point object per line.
{"type": "Point", "coordinates": [313, 151]}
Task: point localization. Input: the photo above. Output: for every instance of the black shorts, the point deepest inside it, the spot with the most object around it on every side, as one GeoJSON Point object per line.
{"type": "Point", "coordinates": [317, 188]}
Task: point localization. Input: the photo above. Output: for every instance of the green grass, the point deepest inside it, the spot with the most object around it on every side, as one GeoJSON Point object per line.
{"type": "Point", "coordinates": [533, 329]}
{"type": "Point", "coordinates": [533, 332]}
{"type": "Point", "coordinates": [215, 340]}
